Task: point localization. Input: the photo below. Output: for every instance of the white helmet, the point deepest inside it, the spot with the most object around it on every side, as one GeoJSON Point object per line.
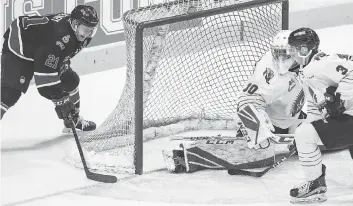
{"type": "Point", "coordinates": [279, 49]}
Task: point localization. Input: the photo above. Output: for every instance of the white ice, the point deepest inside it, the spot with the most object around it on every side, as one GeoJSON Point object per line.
{"type": "Point", "coordinates": [33, 171]}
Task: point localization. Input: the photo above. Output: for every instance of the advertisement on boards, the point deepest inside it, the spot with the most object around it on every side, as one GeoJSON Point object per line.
{"type": "Point", "coordinates": [110, 29]}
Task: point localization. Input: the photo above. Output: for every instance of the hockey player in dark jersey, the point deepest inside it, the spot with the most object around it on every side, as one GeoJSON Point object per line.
{"type": "Point", "coordinates": [42, 46]}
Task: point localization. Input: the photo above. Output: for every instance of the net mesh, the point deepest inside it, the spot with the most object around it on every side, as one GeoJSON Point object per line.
{"type": "Point", "coordinates": [192, 72]}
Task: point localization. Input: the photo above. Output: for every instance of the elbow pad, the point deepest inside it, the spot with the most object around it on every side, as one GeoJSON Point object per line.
{"type": "Point", "coordinates": [70, 80]}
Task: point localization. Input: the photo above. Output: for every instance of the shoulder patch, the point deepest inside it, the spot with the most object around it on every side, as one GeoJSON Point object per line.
{"type": "Point", "coordinates": [268, 74]}
{"type": "Point", "coordinates": [319, 56]}
{"type": "Point", "coordinates": [291, 85]}
{"type": "Point", "coordinates": [66, 39]}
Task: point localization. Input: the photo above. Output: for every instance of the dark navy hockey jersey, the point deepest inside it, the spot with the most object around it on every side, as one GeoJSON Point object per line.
{"type": "Point", "coordinates": [50, 42]}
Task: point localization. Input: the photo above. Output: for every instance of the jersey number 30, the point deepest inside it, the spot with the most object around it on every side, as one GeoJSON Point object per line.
{"type": "Point", "coordinates": [251, 88]}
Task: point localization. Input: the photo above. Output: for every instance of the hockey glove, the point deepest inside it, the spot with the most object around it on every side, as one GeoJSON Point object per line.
{"type": "Point", "coordinates": [334, 105]}
{"type": "Point", "coordinates": [64, 107]}
{"type": "Point", "coordinates": [257, 124]}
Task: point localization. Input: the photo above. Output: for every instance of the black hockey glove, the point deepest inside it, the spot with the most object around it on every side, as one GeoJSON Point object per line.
{"type": "Point", "coordinates": [334, 105]}
{"type": "Point", "coordinates": [64, 107]}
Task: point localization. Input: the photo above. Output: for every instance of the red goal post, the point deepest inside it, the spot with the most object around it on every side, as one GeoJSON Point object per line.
{"type": "Point", "coordinates": [186, 61]}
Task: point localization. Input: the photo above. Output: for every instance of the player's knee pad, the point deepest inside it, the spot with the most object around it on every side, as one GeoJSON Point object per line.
{"type": "Point", "coordinates": [9, 97]}
{"type": "Point", "coordinates": [295, 125]}
{"type": "Point", "coordinates": [70, 80]}
{"type": "Point", "coordinates": [306, 134]}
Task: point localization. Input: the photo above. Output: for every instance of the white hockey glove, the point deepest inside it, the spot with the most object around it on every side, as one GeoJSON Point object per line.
{"type": "Point", "coordinates": [257, 124]}
{"type": "Point", "coordinates": [266, 123]}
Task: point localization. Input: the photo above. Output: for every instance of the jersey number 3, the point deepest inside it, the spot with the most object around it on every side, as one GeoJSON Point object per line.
{"type": "Point", "coordinates": [341, 69]}
{"type": "Point", "coordinates": [33, 20]}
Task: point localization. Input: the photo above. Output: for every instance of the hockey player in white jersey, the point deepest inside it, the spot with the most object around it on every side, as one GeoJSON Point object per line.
{"type": "Point", "coordinates": [329, 79]}
{"type": "Point", "coordinates": [274, 94]}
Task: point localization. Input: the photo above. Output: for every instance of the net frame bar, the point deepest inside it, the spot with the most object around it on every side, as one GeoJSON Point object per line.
{"type": "Point", "coordinates": [138, 136]}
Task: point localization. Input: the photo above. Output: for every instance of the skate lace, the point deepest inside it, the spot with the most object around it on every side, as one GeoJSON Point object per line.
{"type": "Point", "coordinates": [304, 187]}
{"type": "Point", "coordinates": [83, 122]}
{"type": "Point", "coordinates": [180, 161]}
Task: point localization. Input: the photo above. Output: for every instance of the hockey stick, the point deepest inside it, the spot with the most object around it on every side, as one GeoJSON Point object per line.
{"type": "Point", "coordinates": [320, 107]}
{"type": "Point", "coordinates": [202, 138]}
{"type": "Point", "coordinates": [90, 175]}
{"type": "Point", "coordinates": [260, 174]}
{"type": "Point", "coordinates": [277, 139]}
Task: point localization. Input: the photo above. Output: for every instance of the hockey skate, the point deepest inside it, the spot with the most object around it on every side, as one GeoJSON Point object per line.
{"type": "Point", "coordinates": [310, 191]}
{"type": "Point", "coordinates": [174, 160]}
{"type": "Point", "coordinates": [80, 124]}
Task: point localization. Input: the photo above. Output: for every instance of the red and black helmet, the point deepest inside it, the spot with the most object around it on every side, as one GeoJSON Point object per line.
{"type": "Point", "coordinates": [304, 37]}
{"type": "Point", "coordinates": [85, 14]}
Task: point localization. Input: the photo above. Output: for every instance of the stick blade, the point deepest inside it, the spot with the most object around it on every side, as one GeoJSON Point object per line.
{"type": "Point", "coordinates": [246, 173]}
{"type": "Point", "coordinates": [101, 178]}
{"type": "Point", "coordinates": [261, 173]}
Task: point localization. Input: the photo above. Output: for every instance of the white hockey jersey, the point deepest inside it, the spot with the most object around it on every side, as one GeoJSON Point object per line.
{"type": "Point", "coordinates": [324, 71]}
{"type": "Point", "coordinates": [281, 96]}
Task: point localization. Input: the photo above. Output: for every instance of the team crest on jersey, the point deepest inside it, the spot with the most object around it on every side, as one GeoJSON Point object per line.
{"type": "Point", "coordinates": [268, 74]}
{"type": "Point", "coordinates": [66, 39]}
{"type": "Point", "coordinates": [291, 85]}
{"type": "Point", "coordinates": [22, 80]}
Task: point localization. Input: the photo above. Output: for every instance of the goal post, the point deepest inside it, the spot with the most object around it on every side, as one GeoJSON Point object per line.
{"type": "Point", "coordinates": [141, 26]}
{"type": "Point", "coordinates": [186, 62]}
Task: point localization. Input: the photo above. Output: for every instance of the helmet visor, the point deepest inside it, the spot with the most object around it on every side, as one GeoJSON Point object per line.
{"type": "Point", "coordinates": [280, 54]}
{"type": "Point", "coordinates": [282, 59]}
{"type": "Point", "coordinates": [300, 53]}
{"type": "Point", "coordinates": [83, 31]}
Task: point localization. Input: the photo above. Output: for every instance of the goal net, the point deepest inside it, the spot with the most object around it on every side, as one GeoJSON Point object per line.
{"type": "Point", "coordinates": [186, 62]}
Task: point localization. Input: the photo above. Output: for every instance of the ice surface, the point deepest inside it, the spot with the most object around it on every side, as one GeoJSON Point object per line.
{"type": "Point", "coordinates": [33, 171]}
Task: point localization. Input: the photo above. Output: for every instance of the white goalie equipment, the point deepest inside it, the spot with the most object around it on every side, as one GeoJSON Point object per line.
{"type": "Point", "coordinates": [257, 124]}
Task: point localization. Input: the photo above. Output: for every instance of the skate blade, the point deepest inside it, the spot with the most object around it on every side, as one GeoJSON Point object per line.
{"type": "Point", "coordinates": [69, 131]}
{"type": "Point", "coordinates": [311, 199]}
{"type": "Point", "coordinates": [66, 130]}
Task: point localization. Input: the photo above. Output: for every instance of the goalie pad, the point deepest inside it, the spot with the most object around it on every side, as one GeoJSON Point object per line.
{"type": "Point", "coordinates": [257, 124]}
{"type": "Point", "coordinates": [218, 154]}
